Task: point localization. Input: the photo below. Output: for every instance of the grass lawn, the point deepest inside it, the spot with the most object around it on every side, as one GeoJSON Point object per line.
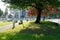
{"type": "Point", "coordinates": [2, 23]}
{"type": "Point", "coordinates": [32, 31]}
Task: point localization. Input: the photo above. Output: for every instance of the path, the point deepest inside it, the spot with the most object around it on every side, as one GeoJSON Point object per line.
{"type": "Point", "coordinates": [7, 26]}
{"type": "Point", "coordinates": [54, 20]}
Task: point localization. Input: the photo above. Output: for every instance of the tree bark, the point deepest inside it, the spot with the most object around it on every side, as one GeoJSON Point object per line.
{"type": "Point", "coordinates": [39, 8]}
{"type": "Point", "coordinates": [38, 16]}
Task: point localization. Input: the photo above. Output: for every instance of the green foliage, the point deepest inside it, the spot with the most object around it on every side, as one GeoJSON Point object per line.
{"type": "Point", "coordinates": [25, 3]}
{"type": "Point", "coordinates": [54, 2]}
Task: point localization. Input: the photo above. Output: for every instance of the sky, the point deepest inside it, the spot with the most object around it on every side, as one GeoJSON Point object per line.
{"type": "Point", "coordinates": [2, 6]}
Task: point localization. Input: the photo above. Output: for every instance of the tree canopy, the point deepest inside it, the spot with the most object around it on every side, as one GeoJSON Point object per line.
{"type": "Point", "coordinates": [25, 3]}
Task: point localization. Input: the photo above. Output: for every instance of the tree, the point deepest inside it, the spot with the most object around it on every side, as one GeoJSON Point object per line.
{"type": "Point", "coordinates": [31, 11]}
{"type": "Point", "coordinates": [50, 10]}
{"type": "Point", "coordinates": [6, 13]}
{"type": "Point", "coordinates": [1, 12]}
{"type": "Point", "coordinates": [38, 4]}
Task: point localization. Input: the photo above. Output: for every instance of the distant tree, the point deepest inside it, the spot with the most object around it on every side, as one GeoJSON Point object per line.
{"type": "Point", "coordinates": [1, 12]}
{"type": "Point", "coordinates": [6, 13]}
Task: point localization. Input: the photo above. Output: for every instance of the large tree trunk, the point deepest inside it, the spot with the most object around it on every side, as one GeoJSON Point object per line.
{"type": "Point", "coordinates": [39, 7]}
{"type": "Point", "coordinates": [38, 16]}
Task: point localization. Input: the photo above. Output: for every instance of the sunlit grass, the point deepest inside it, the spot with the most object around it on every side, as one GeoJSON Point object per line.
{"type": "Point", "coordinates": [31, 31]}
{"type": "Point", "coordinates": [3, 23]}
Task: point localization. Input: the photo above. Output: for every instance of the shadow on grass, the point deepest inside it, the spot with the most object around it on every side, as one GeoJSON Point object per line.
{"type": "Point", "coordinates": [43, 31]}
{"type": "Point", "coordinates": [43, 27]}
